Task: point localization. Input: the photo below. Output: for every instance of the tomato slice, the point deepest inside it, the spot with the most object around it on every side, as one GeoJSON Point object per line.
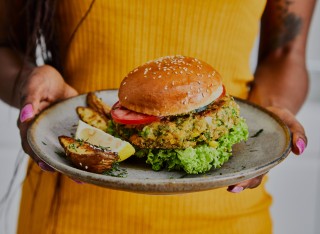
{"type": "Point", "coordinates": [122, 115]}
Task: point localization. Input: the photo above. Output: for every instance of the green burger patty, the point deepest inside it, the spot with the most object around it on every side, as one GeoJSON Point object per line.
{"type": "Point", "coordinates": [194, 142]}
{"type": "Point", "coordinates": [189, 130]}
{"type": "Point", "coordinates": [199, 159]}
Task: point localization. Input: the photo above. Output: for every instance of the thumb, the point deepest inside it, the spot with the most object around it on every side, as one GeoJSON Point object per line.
{"type": "Point", "coordinates": [299, 138]}
{"type": "Point", "coordinates": [30, 107]}
{"type": "Point", "coordinates": [27, 114]}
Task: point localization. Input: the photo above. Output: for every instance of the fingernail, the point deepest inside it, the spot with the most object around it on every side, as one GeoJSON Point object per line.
{"type": "Point", "coordinates": [301, 145]}
{"type": "Point", "coordinates": [236, 189]}
{"type": "Point", "coordinates": [45, 167]}
{"type": "Point", "coordinates": [26, 113]}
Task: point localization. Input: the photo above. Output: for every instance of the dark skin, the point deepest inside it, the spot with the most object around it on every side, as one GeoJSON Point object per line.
{"type": "Point", "coordinates": [281, 79]}
{"type": "Point", "coordinates": [280, 84]}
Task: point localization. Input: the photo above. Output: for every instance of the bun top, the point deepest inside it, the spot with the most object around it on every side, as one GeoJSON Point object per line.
{"type": "Point", "coordinates": [170, 85]}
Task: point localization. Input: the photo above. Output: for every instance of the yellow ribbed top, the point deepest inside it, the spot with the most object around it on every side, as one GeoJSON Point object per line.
{"type": "Point", "coordinates": [115, 37]}
{"type": "Point", "coordinates": [119, 35]}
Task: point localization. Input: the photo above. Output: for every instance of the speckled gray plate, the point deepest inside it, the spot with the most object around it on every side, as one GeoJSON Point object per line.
{"type": "Point", "coordinates": [252, 158]}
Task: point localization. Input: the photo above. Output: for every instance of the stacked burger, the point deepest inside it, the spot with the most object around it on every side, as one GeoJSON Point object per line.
{"type": "Point", "coordinates": [176, 113]}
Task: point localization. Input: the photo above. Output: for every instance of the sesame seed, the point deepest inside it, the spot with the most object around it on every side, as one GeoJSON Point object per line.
{"type": "Point", "coordinates": [181, 72]}
{"type": "Point", "coordinates": [199, 82]}
{"type": "Point", "coordinates": [159, 76]}
{"type": "Point", "coordinates": [125, 98]}
{"type": "Point", "coordinates": [202, 95]}
{"type": "Point", "coordinates": [172, 82]}
{"type": "Point", "coordinates": [124, 83]}
{"type": "Point", "coordinates": [80, 164]}
{"type": "Point", "coordinates": [165, 87]}
{"type": "Point", "coordinates": [86, 167]}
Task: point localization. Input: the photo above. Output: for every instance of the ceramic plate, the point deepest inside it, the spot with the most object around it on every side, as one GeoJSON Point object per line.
{"type": "Point", "coordinates": [252, 158]}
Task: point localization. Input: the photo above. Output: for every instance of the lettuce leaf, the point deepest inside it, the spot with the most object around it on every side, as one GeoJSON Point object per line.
{"type": "Point", "coordinates": [199, 159]}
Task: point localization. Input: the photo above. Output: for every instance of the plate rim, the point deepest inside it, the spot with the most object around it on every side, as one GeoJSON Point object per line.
{"type": "Point", "coordinates": [157, 184]}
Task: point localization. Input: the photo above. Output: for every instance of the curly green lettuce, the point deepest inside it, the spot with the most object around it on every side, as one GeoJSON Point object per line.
{"type": "Point", "coordinates": [199, 159]}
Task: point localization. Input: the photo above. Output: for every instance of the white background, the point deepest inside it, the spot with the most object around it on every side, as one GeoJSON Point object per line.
{"type": "Point", "coordinates": [294, 184]}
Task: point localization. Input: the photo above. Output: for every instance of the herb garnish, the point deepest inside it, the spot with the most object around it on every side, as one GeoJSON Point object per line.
{"type": "Point", "coordinates": [257, 133]}
{"type": "Point", "coordinates": [116, 171]}
{"type": "Point", "coordinates": [73, 146]}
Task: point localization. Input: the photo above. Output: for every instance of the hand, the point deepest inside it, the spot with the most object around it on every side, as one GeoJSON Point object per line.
{"type": "Point", "coordinates": [41, 88]}
{"type": "Point", "coordinates": [299, 143]}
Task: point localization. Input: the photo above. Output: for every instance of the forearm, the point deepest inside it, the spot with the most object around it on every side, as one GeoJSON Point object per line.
{"type": "Point", "coordinates": [11, 67]}
{"type": "Point", "coordinates": [281, 81]}
{"type": "Point", "coordinates": [281, 77]}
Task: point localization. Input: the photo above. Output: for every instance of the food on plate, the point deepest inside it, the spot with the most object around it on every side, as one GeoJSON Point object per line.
{"type": "Point", "coordinates": [93, 149]}
{"type": "Point", "coordinates": [86, 156]}
{"type": "Point", "coordinates": [176, 113]}
{"type": "Point", "coordinates": [100, 138]}
{"type": "Point", "coordinates": [92, 117]}
{"type": "Point", "coordinates": [97, 104]}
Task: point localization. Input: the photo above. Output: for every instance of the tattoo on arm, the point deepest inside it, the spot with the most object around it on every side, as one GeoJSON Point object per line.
{"type": "Point", "coordinates": [279, 26]}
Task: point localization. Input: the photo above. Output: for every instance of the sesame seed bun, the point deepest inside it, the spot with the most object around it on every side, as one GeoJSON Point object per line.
{"type": "Point", "coordinates": [170, 85]}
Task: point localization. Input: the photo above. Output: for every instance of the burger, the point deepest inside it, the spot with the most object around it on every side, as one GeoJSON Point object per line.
{"type": "Point", "coordinates": [176, 113]}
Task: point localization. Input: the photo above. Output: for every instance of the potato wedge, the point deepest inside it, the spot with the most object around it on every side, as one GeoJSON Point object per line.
{"type": "Point", "coordinates": [92, 118]}
{"type": "Point", "coordinates": [86, 156]}
{"type": "Point", "coordinates": [97, 104]}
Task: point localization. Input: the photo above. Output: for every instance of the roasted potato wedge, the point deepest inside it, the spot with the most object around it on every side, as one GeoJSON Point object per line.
{"type": "Point", "coordinates": [97, 104]}
{"type": "Point", "coordinates": [86, 156]}
{"type": "Point", "coordinates": [92, 118]}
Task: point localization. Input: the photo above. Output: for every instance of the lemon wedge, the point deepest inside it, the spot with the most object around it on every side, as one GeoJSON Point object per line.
{"type": "Point", "coordinates": [98, 137]}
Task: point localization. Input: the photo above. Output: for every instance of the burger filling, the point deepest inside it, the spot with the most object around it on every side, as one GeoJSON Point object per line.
{"type": "Point", "coordinates": [194, 142]}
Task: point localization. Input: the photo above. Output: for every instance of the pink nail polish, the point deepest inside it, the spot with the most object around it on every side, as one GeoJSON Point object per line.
{"type": "Point", "coordinates": [26, 113]}
{"type": "Point", "coordinates": [301, 145]}
{"type": "Point", "coordinates": [45, 167]}
{"type": "Point", "coordinates": [236, 189]}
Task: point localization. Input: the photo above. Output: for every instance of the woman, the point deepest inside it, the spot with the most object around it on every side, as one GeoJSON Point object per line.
{"type": "Point", "coordinates": [92, 44]}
